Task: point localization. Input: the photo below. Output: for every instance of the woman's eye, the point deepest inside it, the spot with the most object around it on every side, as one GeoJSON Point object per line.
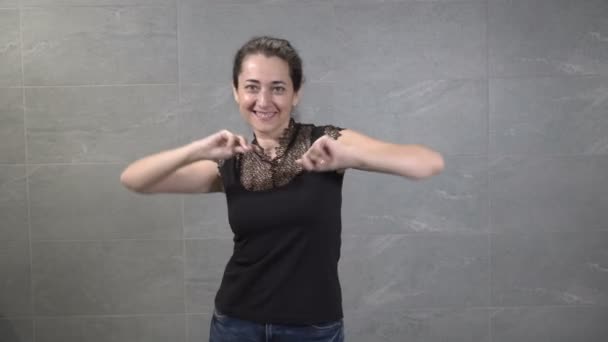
{"type": "Point", "coordinates": [279, 89]}
{"type": "Point", "coordinates": [250, 87]}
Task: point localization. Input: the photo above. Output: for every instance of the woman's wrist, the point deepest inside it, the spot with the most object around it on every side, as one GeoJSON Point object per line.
{"type": "Point", "coordinates": [351, 159]}
{"type": "Point", "coordinates": [193, 152]}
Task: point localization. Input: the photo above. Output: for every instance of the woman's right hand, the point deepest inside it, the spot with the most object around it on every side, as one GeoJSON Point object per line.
{"type": "Point", "coordinates": [221, 145]}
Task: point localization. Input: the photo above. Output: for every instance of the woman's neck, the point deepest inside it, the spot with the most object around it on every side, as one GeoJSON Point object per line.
{"type": "Point", "coordinates": [269, 141]}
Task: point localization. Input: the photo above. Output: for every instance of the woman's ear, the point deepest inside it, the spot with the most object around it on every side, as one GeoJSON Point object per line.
{"type": "Point", "coordinates": [235, 93]}
{"type": "Point", "coordinates": [296, 98]}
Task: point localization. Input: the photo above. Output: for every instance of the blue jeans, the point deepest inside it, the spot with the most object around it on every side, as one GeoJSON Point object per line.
{"type": "Point", "coordinates": [229, 329]}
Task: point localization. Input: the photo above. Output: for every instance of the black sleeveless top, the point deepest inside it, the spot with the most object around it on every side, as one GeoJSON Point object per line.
{"type": "Point", "coordinates": [287, 226]}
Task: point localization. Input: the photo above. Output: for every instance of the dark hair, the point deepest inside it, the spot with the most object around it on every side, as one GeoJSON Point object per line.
{"type": "Point", "coordinates": [270, 47]}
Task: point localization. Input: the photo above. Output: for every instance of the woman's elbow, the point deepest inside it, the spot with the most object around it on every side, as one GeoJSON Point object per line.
{"type": "Point", "coordinates": [128, 182]}
{"type": "Point", "coordinates": [436, 164]}
{"type": "Point", "coordinates": [428, 166]}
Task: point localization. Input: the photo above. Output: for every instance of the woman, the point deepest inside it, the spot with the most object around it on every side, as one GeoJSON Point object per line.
{"type": "Point", "coordinates": [284, 200]}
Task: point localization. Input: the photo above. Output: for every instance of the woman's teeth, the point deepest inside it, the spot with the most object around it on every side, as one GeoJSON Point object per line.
{"type": "Point", "coordinates": [264, 115]}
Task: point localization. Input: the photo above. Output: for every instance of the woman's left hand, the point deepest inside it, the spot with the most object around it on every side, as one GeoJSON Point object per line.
{"type": "Point", "coordinates": [326, 154]}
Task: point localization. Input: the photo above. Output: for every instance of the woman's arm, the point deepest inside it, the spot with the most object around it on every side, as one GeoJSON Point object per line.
{"type": "Point", "coordinates": [358, 151]}
{"type": "Point", "coordinates": [411, 160]}
{"type": "Point", "coordinates": [188, 169]}
{"type": "Point", "coordinates": [171, 171]}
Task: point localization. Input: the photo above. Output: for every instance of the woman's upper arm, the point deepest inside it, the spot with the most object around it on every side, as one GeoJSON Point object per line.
{"type": "Point", "coordinates": [199, 177]}
{"type": "Point", "coordinates": [360, 140]}
{"type": "Point", "coordinates": [409, 160]}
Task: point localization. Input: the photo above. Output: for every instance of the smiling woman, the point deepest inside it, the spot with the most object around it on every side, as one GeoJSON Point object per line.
{"type": "Point", "coordinates": [284, 197]}
{"type": "Point", "coordinates": [266, 96]}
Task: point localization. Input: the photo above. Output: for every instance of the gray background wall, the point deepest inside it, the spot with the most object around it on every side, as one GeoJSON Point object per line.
{"type": "Point", "coordinates": [510, 243]}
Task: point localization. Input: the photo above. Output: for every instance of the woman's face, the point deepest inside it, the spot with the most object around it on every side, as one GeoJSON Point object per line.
{"type": "Point", "coordinates": [265, 94]}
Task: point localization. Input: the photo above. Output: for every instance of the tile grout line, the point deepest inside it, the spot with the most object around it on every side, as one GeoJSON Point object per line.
{"type": "Point", "coordinates": [413, 309]}
{"type": "Point", "coordinates": [185, 288]}
{"type": "Point", "coordinates": [476, 308]}
{"type": "Point", "coordinates": [105, 316]}
{"type": "Point", "coordinates": [488, 162]}
{"type": "Point", "coordinates": [447, 79]}
{"type": "Point", "coordinates": [346, 235]}
{"type": "Point", "coordinates": [27, 177]}
{"type": "Point", "coordinates": [51, 7]}
{"type": "Point", "coordinates": [449, 155]}
{"type": "Point", "coordinates": [100, 85]}
{"type": "Point", "coordinates": [177, 4]}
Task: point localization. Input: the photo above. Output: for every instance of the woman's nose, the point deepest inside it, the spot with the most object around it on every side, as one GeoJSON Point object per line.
{"type": "Point", "coordinates": [264, 98]}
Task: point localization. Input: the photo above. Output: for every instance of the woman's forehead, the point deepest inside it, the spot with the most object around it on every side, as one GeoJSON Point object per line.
{"type": "Point", "coordinates": [262, 66]}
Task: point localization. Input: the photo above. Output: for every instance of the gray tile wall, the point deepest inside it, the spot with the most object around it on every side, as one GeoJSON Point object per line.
{"type": "Point", "coordinates": [510, 243]}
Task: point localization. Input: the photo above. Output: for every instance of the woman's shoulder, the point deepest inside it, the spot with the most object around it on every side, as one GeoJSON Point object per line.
{"type": "Point", "coordinates": [319, 129]}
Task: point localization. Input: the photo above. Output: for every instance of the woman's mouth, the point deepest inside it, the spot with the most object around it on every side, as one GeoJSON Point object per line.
{"type": "Point", "coordinates": [264, 115]}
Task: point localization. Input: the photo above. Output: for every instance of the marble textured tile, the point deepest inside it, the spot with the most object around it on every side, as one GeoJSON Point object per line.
{"type": "Point", "coordinates": [454, 201]}
{"type": "Point", "coordinates": [449, 116]}
{"type": "Point", "coordinates": [549, 116]}
{"type": "Point", "coordinates": [99, 45]}
{"type": "Point", "coordinates": [555, 324]}
{"type": "Point", "coordinates": [100, 124]}
{"type": "Point", "coordinates": [108, 277]}
{"type": "Point", "coordinates": [413, 41]}
{"type": "Point", "coordinates": [317, 105]}
{"type": "Point", "coordinates": [116, 329]}
{"type": "Point", "coordinates": [393, 272]}
{"type": "Point", "coordinates": [210, 36]}
{"type": "Point", "coordinates": [534, 194]}
{"type": "Point", "coordinates": [12, 4]}
{"type": "Point", "coordinates": [384, 2]}
{"type": "Point", "coordinates": [13, 203]}
{"type": "Point", "coordinates": [81, 202]}
{"type": "Point", "coordinates": [549, 37]}
{"type": "Point", "coordinates": [535, 269]}
{"type": "Point", "coordinates": [206, 216]}
{"type": "Point", "coordinates": [198, 327]}
{"type": "Point", "coordinates": [255, 2]}
{"type": "Point", "coordinates": [16, 330]}
{"type": "Point", "coordinates": [205, 263]}
{"type": "Point", "coordinates": [12, 133]}
{"type": "Point", "coordinates": [15, 285]}
{"type": "Point", "coordinates": [10, 45]}
{"type": "Point", "coordinates": [206, 109]}
{"type": "Point", "coordinates": [62, 3]}
{"type": "Point", "coordinates": [454, 325]}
